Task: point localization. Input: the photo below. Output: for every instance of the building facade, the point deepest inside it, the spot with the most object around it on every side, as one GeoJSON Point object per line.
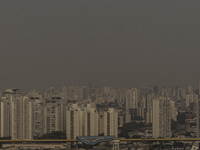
{"type": "Point", "coordinates": [111, 123]}
{"type": "Point", "coordinates": [161, 117]}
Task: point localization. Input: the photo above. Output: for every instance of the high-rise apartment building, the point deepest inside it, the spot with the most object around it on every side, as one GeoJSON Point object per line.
{"type": "Point", "coordinates": [4, 118]}
{"type": "Point", "coordinates": [63, 120]}
{"type": "Point", "coordinates": [161, 117]}
{"type": "Point", "coordinates": [111, 123]}
{"type": "Point", "coordinates": [21, 118]}
{"type": "Point", "coordinates": [149, 116]}
{"type": "Point", "coordinates": [132, 98]}
{"type": "Point", "coordinates": [74, 122]}
{"type": "Point", "coordinates": [86, 121]}
{"type": "Point", "coordinates": [174, 112]}
{"type": "Point", "coordinates": [37, 116]}
{"type": "Point", "coordinates": [90, 121]}
{"type": "Point", "coordinates": [52, 113]}
{"type": "Point", "coordinates": [101, 124]}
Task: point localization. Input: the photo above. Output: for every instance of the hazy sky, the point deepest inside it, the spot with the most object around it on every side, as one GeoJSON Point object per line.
{"type": "Point", "coordinates": [121, 43]}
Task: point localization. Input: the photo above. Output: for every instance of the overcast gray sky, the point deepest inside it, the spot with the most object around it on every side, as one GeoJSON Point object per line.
{"type": "Point", "coordinates": [121, 43]}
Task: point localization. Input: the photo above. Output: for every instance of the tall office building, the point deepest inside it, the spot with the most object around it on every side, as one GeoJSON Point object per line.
{"type": "Point", "coordinates": [111, 123]}
{"type": "Point", "coordinates": [161, 117]}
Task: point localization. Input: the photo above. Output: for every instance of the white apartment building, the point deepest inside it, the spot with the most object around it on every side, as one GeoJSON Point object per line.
{"type": "Point", "coordinates": [11, 95]}
{"type": "Point", "coordinates": [74, 122]}
{"type": "Point", "coordinates": [111, 123]}
{"type": "Point", "coordinates": [21, 118]}
{"type": "Point", "coordinates": [90, 121]}
{"type": "Point", "coordinates": [161, 117]}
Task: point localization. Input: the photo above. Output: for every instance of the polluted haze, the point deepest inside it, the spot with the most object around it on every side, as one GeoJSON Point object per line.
{"type": "Point", "coordinates": [109, 42]}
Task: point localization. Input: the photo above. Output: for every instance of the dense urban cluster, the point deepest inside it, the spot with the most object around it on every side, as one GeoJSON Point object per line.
{"type": "Point", "coordinates": [146, 112]}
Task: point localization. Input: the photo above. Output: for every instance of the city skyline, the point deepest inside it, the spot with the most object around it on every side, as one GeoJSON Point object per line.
{"type": "Point", "coordinates": [33, 114]}
{"type": "Point", "coordinates": [59, 88]}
